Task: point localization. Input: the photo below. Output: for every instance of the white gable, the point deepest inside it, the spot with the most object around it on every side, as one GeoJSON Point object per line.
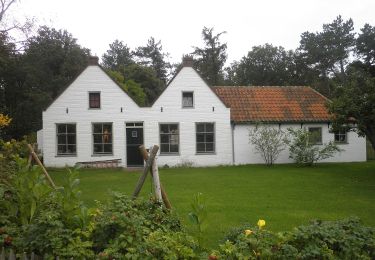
{"type": "Point", "coordinates": [188, 80]}
{"type": "Point", "coordinates": [92, 79]}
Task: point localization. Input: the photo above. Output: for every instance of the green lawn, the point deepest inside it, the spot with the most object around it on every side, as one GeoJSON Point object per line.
{"type": "Point", "coordinates": [284, 195]}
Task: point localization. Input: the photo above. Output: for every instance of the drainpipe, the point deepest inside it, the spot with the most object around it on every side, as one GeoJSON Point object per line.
{"type": "Point", "coordinates": [233, 125]}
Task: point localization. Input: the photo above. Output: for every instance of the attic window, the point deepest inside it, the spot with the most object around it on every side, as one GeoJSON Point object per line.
{"type": "Point", "coordinates": [187, 99]}
{"type": "Point", "coordinates": [94, 99]}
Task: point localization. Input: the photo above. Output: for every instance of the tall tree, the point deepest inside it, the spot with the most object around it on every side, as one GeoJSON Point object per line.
{"type": "Point", "coordinates": [328, 51]}
{"type": "Point", "coordinates": [117, 57]}
{"type": "Point", "coordinates": [265, 65]}
{"type": "Point", "coordinates": [366, 44]}
{"type": "Point", "coordinates": [354, 106]}
{"type": "Point", "coordinates": [52, 58]}
{"type": "Point", "coordinates": [152, 55]}
{"type": "Point", "coordinates": [210, 59]}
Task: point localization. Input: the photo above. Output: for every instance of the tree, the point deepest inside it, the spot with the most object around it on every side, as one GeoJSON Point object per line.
{"type": "Point", "coordinates": [268, 141]}
{"type": "Point", "coordinates": [146, 77]}
{"type": "Point", "coordinates": [365, 45]}
{"type": "Point", "coordinates": [133, 89]}
{"type": "Point", "coordinates": [152, 56]}
{"type": "Point", "coordinates": [354, 106]}
{"type": "Point", "coordinates": [328, 51]}
{"type": "Point", "coordinates": [265, 65]}
{"type": "Point", "coordinates": [118, 56]}
{"type": "Point", "coordinates": [303, 151]}
{"type": "Point", "coordinates": [210, 59]}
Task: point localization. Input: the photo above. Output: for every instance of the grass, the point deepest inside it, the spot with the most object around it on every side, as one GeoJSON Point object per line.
{"type": "Point", "coordinates": [284, 195]}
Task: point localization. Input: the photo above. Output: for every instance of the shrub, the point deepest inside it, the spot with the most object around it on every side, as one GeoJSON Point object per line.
{"type": "Point", "coordinates": [343, 239]}
{"type": "Point", "coordinates": [268, 141]}
{"type": "Point", "coordinates": [302, 151]}
{"type": "Point", "coordinates": [124, 228]}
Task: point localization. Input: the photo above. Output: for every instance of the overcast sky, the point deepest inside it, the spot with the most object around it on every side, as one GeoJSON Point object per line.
{"type": "Point", "coordinates": [178, 24]}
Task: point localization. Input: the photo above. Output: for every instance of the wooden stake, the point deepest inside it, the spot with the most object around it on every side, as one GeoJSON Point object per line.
{"type": "Point", "coordinates": [156, 180]}
{"type": "Point", "coordinates": [164, 196]}
{"type": "Point", "coordinates": [147, 167]}
{"type": "Point", "coordinates": [36, 158]}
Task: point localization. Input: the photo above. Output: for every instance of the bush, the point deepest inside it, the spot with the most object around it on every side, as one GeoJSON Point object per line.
{"type": "Point", "coordinates": [343, 239]}
{"type": "Point", "coordinates": [269, 142]}
{"type": "Point", "coordinates": [302, 151]}
{"type": "Point", "coordinates": [126, 228]}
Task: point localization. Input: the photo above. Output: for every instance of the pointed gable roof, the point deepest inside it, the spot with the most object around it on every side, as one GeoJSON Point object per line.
{"type": "Point", "coordinates": [274, 104]}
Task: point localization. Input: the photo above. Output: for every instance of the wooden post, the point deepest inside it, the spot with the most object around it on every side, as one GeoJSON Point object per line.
{"type": "Point", "coordinates": [164, 196]}
{"type": "Point", "coordinates": [41, 166]}
{"type": "Point", "coordinates": [147, 167]}
{"type": "Point", "coordinates": [156, 180]}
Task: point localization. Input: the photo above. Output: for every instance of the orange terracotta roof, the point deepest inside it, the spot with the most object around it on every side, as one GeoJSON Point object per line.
{"type": "Point", "coordinates": [274, 104]}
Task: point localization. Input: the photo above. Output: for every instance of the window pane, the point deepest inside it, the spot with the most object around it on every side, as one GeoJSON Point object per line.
{"type": "Point", "coordinates": [173, 128]}
{"type": "Point", "coordinates": [187, 99]}
{"type": "Point", "coordinates": [164, 138]}
{"type": "Point", "coordinates": [107, 138]}
{"type": "Point", "coordinates": [200, 138]}
{"type": "Point", "coordinates": [164, 148]}
{"type": "Point", "coordinates": [61, 128]}
{"type": "Point", "coordinates": [210, 147]}
{"type": "Point", "coordinates": [200, 128]}
{"type": "Point", "coordinates": [97, 128]}
{"type": "Point", "coordinates": [98, 148]}
{"type": "Point", "coordinates": [108, 148]}
{"type": "Point", "coordinates": [108, 128]}
{"type": "Point", "coordinates": [61, 149]}
{"type": "Point", "coordinates": [200, 147]}
{"type": "Point", "coordinates": [71, 139]}
{"type": "Point", "coordinates": [210, 138]}
{"type": "Point", "coordinates": [94, 100]}
{"type": "Point", "coordinates": [71, 128]}
{"type": "Point", "coordinates": [71, 149]}
{"type": "Point", "coordinates": [174, 148]}
{"type": "Point", "coordinates": [173, 139]}
{"type": "Point", "coordinates": [209, 127]}
{"type": "Point", "coordinates": [164, 129]}
{"type": "Point", "coordinates": [98, 138]}
{"type": "Point", "coordinates": [315, 135]}
{"type": "Point", "coordinates": [61, 139]}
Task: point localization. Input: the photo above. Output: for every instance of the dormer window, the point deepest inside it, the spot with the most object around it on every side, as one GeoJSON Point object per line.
{"type": "Point", "coordinates": [94, 99]}
{"type": "Point", "coordinates": [187, 99]}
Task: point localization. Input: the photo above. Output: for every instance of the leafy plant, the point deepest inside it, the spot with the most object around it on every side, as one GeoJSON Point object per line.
{"type": "Point", "coordinates": [268, 141]}
{"type": "Point", "coordinates": [303, 151]}
{"type": "Point", "coordinates": [198, 215]}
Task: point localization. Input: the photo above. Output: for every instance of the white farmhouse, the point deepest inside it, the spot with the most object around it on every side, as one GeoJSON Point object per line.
{"type": "Point", "coordinates": [95, 120]}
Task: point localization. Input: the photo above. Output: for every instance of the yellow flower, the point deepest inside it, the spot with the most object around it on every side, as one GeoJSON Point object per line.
{"type": "Point", "coordinates": [261, 223]}
{"type": "Point", "coordinates": [248, 232]}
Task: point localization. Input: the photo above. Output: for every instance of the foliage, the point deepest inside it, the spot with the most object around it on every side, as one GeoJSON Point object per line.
{"type": "Point", "coordinates": [132, 88]}
{"type": "Point", "coordinates": [303, 151]}
{"type": "Point", "coordinates": [366, 44]}
{"type": "Point", "coordinates": [123, 227]}
{"type": "Point", "coordinates": [265, 65]}
{"type": "Point", "coordinates": [4, 120]}
{"type": "Point", "coordinates": [210, 59]}
{"type": "Point", "coordinates": [36, 218]}
{"type": "Point", "coordinates": [198, 215]}
{"type": "Point", "coordinates": [343, 239]}
{"type": "Point", "coordinates": [117, 57]}
{"type": "Point", "coordinates": [268, 141]}
{"type": "Point", "coordinates": [152, 56]}
{"type": "Point", "coordinates": [354, 106]}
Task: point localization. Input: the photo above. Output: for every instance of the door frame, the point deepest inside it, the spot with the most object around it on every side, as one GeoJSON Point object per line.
{"type": "Point", "coordinates": [140, 124]}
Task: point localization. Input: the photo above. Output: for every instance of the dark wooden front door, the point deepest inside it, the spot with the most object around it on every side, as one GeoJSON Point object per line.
{"type": "Point", "coordinates": [134, 138]}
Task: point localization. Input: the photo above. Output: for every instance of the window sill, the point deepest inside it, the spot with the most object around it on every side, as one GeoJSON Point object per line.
{"type": "Point", "coordinates": [94, 108]}
{"type": "Point", "coordinates": [187, 107]}
{"type": "Point", "coordinates": [341, 143]}
{"type": "Point", "coordinates": [169, 154]}
{"type": "Point", "coordinates": [208, 153]}
{"type": "Point", "coordinates": [101, 154]}
{"type": "Point", "coordinates": [66, 155]}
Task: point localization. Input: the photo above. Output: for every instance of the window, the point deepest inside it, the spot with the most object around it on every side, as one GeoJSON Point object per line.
{"type": "Point", "coordinates": [102, 136]}
{"type": "Point", "coordinates": [169, 138]}
{"type": "Point", "coordinates": [187, 99]}
{"type": "Point", "coordinates": [341, 137]}
{"type": "Point", "coordinates": [205, 137]}
{"type": "Point", "coordinates": [66, 139]}
{"type": "Point", "coordinates": [94, 100]}
{"type": "Point", "coordinates": [315, 135]}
